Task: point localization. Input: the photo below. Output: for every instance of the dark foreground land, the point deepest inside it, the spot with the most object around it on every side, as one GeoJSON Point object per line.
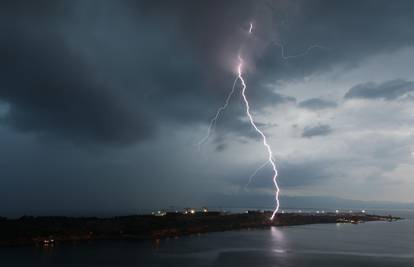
{"type": "Point", "coordinates": [51, 230]}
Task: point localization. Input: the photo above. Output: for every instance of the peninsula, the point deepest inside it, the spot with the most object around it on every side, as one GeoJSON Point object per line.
{"type": "Point", "coordinates": [51, 230]}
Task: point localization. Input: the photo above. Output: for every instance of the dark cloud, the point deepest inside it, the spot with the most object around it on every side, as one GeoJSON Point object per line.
{"type": "Point", "coordinates": [113, 73]}
{"type": "Point", "coordinates": [318, 130]}
{"type": "Point", "coordinates": [54, 84]}
{"type": "Point", "coordinates": [389, 90]}
{"type": "Point", "coordinates": [50, 90]}
{"type": "Point", "coordinates": [317, 104]}
{"type": "Point", "coordinates": [116, 75]}
{"type": "Point", "coordinates": [221, 147]}
{"type": "Point", "coordinates": [349, 32]}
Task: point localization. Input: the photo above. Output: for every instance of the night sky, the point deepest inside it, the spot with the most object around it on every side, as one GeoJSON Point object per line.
{"type": "Point", "coordinates": [102, 103]}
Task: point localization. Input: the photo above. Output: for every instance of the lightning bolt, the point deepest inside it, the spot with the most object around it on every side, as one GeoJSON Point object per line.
{"type": "Point", "coordinates": [285, 57]}
{"type": "Point", "coordinates": [240, 78]}
{"type": "Point", "coordinates": [215, 118]}
{"type": "Point", "coordinates": [251, 120]}
{"type": "Point", "coordinates": [254, 174]}
{"type": "Point", "coordinates": [223, 107]}
{"type": "Point", "coordinates": [264, 139]}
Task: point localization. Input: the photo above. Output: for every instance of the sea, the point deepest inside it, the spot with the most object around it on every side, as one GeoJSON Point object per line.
{"type": "Point", "coordinates": [366, 244]}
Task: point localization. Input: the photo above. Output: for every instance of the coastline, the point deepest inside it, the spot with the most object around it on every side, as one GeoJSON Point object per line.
{"type": "Point", "coordinates": [48, 231]}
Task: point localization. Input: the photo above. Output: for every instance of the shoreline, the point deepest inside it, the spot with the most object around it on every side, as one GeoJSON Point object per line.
{"type": "Point", "coordinates": [48, 231]}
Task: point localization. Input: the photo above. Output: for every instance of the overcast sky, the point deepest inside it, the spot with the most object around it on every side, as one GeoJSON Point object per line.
{"type": "Point", "coordinates": [102, 103]}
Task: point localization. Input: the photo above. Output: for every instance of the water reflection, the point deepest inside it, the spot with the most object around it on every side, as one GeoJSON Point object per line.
{"type": "Point", "coordinates": [278, 239]}
{"type": "Point", "coordinates": [277, 235]}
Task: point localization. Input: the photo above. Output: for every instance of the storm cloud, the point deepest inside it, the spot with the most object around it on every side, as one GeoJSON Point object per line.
{"type": "Point", "coordinates": [74, 87]}
{"type": "Point", "coordinates": [112, 96]}
{"type": "Point", "coordinates": [318, 130]}
{"type": "Point", "coordinates": [389, 90]}
{"type": "Point", "coordinates": [348, 32]}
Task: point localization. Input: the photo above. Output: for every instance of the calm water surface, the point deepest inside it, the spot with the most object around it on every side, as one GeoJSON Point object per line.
{"type": "Point", "coordinates": [367, 244]}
